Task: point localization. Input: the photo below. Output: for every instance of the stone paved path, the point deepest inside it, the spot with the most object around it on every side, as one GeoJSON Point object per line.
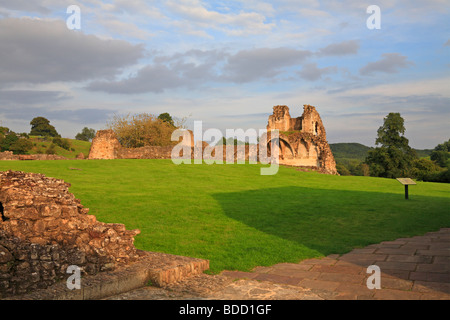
{"type": "Point", "coordinates": [416, 268]}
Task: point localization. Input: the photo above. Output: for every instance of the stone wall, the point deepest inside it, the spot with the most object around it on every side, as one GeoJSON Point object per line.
{"type": "Point", "coordinates": [44, 229]}
{"type": "Point", "coordinates": [303, 143]}
{"type": "Point", "coordinates": [104, 145]}
{"type": "Point", "coordinates": [303, 140]}
{"type": "Point", "coordinates": [8, 155]}
{"type": "Point", "coordinates": [149, 152]}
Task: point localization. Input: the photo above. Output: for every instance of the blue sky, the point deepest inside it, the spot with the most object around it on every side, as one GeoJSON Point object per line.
{"type": "Point", "coordinates": [227, 63]}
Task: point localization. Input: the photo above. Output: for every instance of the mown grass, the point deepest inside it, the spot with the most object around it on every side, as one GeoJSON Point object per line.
{"type": "Point", "coordinates": [239, 219]}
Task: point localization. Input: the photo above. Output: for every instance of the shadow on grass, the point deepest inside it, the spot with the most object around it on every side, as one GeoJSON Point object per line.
{"type": "Point", "coordinates": [335, 221]}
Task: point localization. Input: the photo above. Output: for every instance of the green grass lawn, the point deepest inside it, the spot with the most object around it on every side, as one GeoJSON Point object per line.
{"type": "Point", "coordinates": [239, 219]}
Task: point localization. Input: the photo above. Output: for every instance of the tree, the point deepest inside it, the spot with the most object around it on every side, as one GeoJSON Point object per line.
{"type": "Point", "coordinates": [141, 130]}
{"type": "Point", "coordinates": [86, 134]}
{"type": "Point", "coordinates": [21, 146]}
{"type": "Point", "coordinates": [8, 140]}
{"type": "Point", "coordinates": [4, 130]}
{"type": "Point", "coordinates": [41, 126]}
{"type": "Point", "coordinates": [440, 154]}
{"type": "Point", "coordinates": [394, 158]}
{"type": "Point", "coordinates": [166, 118]}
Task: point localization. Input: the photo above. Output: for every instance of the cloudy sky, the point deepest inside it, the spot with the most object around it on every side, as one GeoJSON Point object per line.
{"type": "Point", "coordinates": [227, 63]}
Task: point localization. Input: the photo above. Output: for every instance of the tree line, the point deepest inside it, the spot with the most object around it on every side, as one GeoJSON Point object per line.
{"type": "Point", "coordinates": [394, 158]}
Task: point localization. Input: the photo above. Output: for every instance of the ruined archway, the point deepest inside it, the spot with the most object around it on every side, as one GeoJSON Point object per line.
{"type": "Point", "coordinates": [285, 149]}
{"type": "Point", "coordinates": [303, 142]}
{"type": "Point", "coordinates": [303, 152]}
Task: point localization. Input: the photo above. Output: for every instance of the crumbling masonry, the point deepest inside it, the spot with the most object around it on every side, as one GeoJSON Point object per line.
{"type": "Point", "coordinates": [44, 229]}
{"type": "Point", "coordinates": [303, 141]}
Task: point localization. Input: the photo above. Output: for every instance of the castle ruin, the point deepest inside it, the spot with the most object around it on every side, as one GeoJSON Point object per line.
{"type": "Point", "coordinates": [303, 141]}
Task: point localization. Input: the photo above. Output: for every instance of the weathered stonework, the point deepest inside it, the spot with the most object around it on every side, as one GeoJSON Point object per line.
{"type": "Point", "coordinates": [105, 145]}
{"type": "Point", "coordinates": [303, 140]}
{"type": "Point", "coordinates": [44, 229]}
{"type": "Point", "coordinates": [303, 143]}
{"type": "Point", "coordinates": [8, 155]}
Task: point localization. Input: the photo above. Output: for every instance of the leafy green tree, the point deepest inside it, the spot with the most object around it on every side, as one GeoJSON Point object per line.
{"type": "Point", "coordinates": [3, 130]}
{"type": "Point", "coordinates": [394, 158]}
{"type": "Point", "coordinates": [424, 168]}
{"type": "Point", "coordinates": [21, 146]}
{"type": "Point", "coordinates": [8, 140]}
{"type": "Point", "coordinates": [87, 134]}
{"type": "Point", "coordinates": [166, 117]}
{"type": "Point", "coordinates": [342, 170]}
{"type": "Point", "coordinates": [441, 154]}
{"type": "Point", "coordinates": [41, 126]}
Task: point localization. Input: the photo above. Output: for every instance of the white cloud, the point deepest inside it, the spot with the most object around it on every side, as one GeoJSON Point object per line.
{"type": "Point", "coordinates": [194, 13]}
{"type": "Point", "coordinates": [311, 72]}
{"type": "Point", "coordinates": [43, 51]}
{"type": "Point", "coordinates": [341, 48]}
{"type": "Point", "coordinates": [389, 63]}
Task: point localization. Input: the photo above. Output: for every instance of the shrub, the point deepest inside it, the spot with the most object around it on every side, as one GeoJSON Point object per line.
{"type": "Point", "coordinates": [63, 143]}
{"type": "Point", "coordinates": [51, 149]}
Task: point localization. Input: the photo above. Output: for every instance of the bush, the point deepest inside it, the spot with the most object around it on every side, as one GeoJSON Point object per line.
{"type": "Point", "coordinates": [142, 130]}
{"type": "Point", "coordinates": [63, 143]}
{"type": "Point", "coordinates": [21, 146]}
{"type": "Point", "coordinates": [342, 170]}
{"type": "Point", "coordinates": [443, 176]}
{"type": "Point", "coordinates": [7, 141]}
{"type": "Point", "coordinates": [440, 157]}
{"type": "Point", "coordinates": [423, 168]}
{"type": "Point", "coordinates": [51, 149]}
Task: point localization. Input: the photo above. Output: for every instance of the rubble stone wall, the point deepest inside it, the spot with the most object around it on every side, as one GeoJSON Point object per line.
{"type": "Point", "coordinates": [44, 229]}
{"type": "Point", "coordinates": [303, 143]}
{"type": "Point", "coordinates": [8, 155]}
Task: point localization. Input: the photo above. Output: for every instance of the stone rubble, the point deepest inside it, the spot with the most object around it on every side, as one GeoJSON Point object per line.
{"type": "Point", "coordinates": [44, 229]}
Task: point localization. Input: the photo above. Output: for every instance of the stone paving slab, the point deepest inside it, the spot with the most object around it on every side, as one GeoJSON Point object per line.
{"type": "Point", "coordinates": [411, 268]}
{"type": "Point", "coordinates": [157, 269]}
{"type": "Point", "coordinates": [415, 268]}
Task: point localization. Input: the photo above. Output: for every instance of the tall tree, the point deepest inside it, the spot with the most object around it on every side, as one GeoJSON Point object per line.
{"type": "Point", "coordinates": [41, 126]}
{"type": "Point", "coordinates": [394, 158]}
{"type": "Point", "coordinates": [166, 117]}
{"type": "Point", "coordinates": [441, 153]}
{"type": "Point", "coordinates": [86, 134]}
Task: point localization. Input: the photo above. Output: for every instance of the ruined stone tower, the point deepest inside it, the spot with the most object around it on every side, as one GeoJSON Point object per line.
{"type": "Point", "coordinates": [303, 140]}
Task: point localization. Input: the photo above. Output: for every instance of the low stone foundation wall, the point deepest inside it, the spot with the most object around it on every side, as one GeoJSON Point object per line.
{"type": "Point", "coordinates": [8, 155]}
{"type": "Point", "coordinates": [150, 152]}
{"type": "Point", "coordinates": [44, 229]}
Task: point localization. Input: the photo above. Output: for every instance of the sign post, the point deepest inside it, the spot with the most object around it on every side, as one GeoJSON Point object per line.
{"type": "Point", "coordinates": [406, 182]}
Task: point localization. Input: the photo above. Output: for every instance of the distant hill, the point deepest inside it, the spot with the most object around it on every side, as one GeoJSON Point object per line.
{"type": "Point", "coordinates": [41, 144]}
{"type": "Point", "coordinates": [355, 151]}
